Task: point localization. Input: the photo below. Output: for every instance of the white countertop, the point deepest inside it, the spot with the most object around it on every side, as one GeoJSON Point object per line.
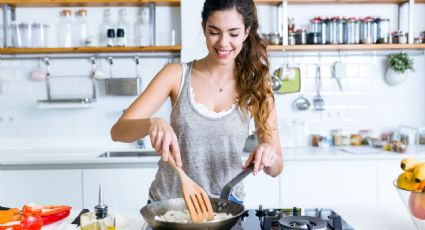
{"type": "Point", "coordinates": [387, 217]}
{"type": "Point", "coordinates": [89, 155]}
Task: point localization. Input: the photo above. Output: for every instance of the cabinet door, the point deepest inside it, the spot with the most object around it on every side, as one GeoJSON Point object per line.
{"type": "Point", "coordinates": [123, 189]}
{"type": "Point", "coordinates": [388, 172]}
{"type": "Point", "coordinates": [44, 187]}
{"type": "Point", "coordinates": [261, 189]}
{"type": "Point", "coordinates": [323, 183]}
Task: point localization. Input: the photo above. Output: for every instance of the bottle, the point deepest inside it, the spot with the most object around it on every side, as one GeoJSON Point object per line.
{"type": "Point", "coordinates": [123, 24]}
{"type": "Point", "coordinates": [104, 27]}
{"type": "Point", "coordinates": [65, 29]}
{"type": "Point", "coordinates": [141, 28]}
{"type": "Point", "coordinates": [110, 37]}
{"type": "Point", "coordinates": [81, 29]}
{"type": "Point", "coordinates": [99, 219]}
{"type": "Point", "coordinates": [121, 41]}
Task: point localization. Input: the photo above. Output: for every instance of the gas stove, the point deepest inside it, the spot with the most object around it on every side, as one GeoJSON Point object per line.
{"type": "Point", "coordinates": [293, 219]}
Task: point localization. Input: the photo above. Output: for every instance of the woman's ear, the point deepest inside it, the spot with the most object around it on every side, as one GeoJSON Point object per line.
{"type": "Point", "coordinates": [246, 33]}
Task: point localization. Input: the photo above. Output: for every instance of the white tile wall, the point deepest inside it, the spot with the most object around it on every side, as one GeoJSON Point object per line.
{"type": "Point", "coordinates": [366, 102]}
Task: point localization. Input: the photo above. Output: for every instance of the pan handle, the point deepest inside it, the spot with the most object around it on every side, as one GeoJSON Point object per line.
{"type": "Point", "coordinates": [229, 186]}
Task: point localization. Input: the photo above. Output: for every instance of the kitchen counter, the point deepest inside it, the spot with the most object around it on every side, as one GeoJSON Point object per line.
{"type": "Point", "coordinates": [387, 217]}
{"type": "Point", "coordinates": [89, 156]}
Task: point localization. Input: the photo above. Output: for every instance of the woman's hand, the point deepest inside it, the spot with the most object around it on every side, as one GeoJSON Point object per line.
{"type": "Point", "coordinates": [263, 156]}
{"type": "Point", "coordinates": [164, 140]}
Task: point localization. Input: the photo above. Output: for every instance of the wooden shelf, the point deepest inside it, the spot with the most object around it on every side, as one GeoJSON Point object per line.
{"type": "Point", "coordinates": [53, 3]}
{"type": "Point", "coordinates": [276, 2]}
{"type": "Point", "coordinates": [90, 50]}
{"type": "Point", "coordinates": [345, 47]}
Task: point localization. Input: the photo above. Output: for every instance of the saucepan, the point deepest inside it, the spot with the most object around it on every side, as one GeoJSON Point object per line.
{"type": "Point", "coordinates": [219, 205]}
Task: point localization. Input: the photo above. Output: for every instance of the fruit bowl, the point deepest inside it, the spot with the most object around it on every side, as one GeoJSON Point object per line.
{"type": "Point", "coordinates": [415, 204]}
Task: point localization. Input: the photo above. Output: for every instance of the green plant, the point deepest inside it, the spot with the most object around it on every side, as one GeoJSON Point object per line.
{"type": "Point", "coordinates": [400, 62]}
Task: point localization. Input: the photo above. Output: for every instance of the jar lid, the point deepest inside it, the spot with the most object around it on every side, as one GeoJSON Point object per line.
{"type": "Point", "coordinates": [66, 12]}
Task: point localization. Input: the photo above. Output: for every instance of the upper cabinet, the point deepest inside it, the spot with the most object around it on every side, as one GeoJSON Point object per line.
{"type": "Point", "coordinates": [14, 10]}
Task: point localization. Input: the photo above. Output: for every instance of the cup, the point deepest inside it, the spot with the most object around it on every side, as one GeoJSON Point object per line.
{"type": "Point", "coordinates": [38, 74]}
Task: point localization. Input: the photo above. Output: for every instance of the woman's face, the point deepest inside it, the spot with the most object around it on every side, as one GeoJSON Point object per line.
{"type": "Point", "coordinates": [225, 33]}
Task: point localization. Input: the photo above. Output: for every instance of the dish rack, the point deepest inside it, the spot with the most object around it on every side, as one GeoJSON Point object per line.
{"type": "Point", "coordinates": [123, 86]}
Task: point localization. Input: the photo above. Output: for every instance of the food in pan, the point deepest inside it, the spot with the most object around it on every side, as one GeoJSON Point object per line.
{"type": "Point", "coordinates": [179, 216]}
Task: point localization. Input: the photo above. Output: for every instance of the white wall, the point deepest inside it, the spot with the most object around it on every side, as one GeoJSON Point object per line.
{"type": "Point", "coordinates": [366, 102]}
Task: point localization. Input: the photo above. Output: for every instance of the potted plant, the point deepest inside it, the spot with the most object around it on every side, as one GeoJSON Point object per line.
{"type": "Point", "coordinates": [399, 65]}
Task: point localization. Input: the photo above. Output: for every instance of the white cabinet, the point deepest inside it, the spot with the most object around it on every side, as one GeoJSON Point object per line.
{"type": "Point", "coordinates": [123, 189]}
{"type": "Point", "coordinates": [322, 183]}
{"type": "Point", "coordinates": [261, 189]}
{"type": "Point", "coordinates": [44, 187]}
{"type": "Point", "coordinates": [388, 172]}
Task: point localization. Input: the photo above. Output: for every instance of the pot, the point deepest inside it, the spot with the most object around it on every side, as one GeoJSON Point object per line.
{"type": "Point", "coordinates": [221, 205]}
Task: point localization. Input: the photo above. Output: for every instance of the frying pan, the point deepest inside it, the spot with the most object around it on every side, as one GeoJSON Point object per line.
{"type": "Point", "coordinates": [221, 205]}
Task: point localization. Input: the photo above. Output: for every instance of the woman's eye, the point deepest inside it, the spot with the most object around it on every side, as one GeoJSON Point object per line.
{"type": "Point", "coordinates": [234, 35]}
{"type": "Point", "coordinates": [214, 33]}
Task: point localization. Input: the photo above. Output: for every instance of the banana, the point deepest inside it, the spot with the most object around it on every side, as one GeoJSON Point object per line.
{"type": "Point", "coordinates": [409, 164]}
{"type": "Point", "coordinates": [419, 173]}
{"type": "Point", "coordinates": [406, 181]}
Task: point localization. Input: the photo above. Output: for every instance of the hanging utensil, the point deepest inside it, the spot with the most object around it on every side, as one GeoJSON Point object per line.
{"type": "Point", "coordinates": [301, 103]}
{"type": "Point", "coordinates": [318, 102]}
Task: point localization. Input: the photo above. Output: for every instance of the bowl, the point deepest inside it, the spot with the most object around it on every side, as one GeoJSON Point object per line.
{"type": "Point", "coordinates": [415, 204]}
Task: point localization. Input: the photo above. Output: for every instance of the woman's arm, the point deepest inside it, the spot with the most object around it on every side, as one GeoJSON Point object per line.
{"type": "Point", "coordinates": [267, 154]}
{"type": "Point", "coordinates": [137, 122]}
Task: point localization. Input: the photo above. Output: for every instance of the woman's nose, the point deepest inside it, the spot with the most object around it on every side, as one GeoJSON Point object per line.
{"type": "Point", "coordinates": [224, 39]}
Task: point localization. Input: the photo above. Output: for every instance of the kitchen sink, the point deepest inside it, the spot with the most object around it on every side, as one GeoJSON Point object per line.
{"type": "Point", "coordinates": [129, 154]}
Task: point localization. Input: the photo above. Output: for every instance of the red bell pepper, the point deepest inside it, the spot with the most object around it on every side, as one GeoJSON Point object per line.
{"type": "Point", "coordinates": [48, 213]}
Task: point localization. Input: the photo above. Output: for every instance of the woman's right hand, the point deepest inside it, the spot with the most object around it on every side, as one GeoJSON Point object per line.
{"type": "Point", "coordinates": [164, 140]}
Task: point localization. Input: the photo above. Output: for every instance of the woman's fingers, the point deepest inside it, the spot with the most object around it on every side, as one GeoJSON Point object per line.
{"type": "Point", "coordinates": [176, 150]}
{"type": "Point", "coordinates": [165, 148]}
{"type": "Point", "coordinates": [257, 160]}
{"type": "Point", "coordinates": [248, 162]}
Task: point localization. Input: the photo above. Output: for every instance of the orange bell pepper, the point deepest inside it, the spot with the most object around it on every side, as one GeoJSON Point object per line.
{"type": "Point", "coordinates": [9, 215]}
{"type": "Point", "coordinates": [48, 213]}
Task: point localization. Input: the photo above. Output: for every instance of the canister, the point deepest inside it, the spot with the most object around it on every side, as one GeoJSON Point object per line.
{"type": "Point", "coordinates": [316, 25]}
{"type": "Point", "coordinates": [332, 31]}
{"type": "Point", "coordinates": [274, 38]}
{"type": "Point", "coordinates": [301, 37]}
{"type": "Point", "coordinates": [366, 28]}
{"type": "Point", "coordinates": [352, 34]}
{"type": "Point", "coordinates": [323, 31]}
{"type": "Point", "coordinates": [384, 31]}
{"type": "Point", "coordinates": [340, 30]}
{"type": "Point", "coordinates": [375, 32]}
{"type": "Point", "coordinates": [291, 38]}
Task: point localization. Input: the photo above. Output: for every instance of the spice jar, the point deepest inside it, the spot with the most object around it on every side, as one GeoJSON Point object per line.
{"type": "Point", "coordinates": [355, 140]}
{"type": "Point", "coordinates": [384, 31]}
{"type": "Point", "coordinates": [291, 38]}
{"type": "Point", "coordinates": [274, 38]}
{"type": "Point", "coordinates": [301, 37]}
{"type": "Point", "coordinates": [315, 140]}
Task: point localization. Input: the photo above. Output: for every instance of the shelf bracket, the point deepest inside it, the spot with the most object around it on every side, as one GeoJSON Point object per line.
{"type": "Point", "coordinates": [5, 8]}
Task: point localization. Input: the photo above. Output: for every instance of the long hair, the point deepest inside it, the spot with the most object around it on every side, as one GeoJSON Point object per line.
{"type": "Point", "coordinates": [251, 64]}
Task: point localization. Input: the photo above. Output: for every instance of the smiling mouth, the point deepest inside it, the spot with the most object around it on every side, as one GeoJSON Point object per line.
{"type": "Point", "coordinates": [223, 53]}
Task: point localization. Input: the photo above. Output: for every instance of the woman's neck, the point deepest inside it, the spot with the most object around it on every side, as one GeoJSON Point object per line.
{"type": "Point", "coordinates": [218, 70]}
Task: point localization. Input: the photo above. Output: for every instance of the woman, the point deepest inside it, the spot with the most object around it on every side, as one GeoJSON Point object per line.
{"type": "Point", "coordinates": [213, 100]}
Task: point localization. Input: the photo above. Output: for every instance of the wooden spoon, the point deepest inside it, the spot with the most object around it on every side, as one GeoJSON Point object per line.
{"type": "Point", "coordinates": [196, 199]}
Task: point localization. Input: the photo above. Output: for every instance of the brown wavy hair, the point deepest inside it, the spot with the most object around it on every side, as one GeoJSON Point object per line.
{"type": "Point", "coordinates": [252, 65]}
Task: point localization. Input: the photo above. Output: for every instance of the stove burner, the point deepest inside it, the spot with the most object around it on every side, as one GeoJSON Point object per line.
{"type": "Point", "coordinates": [302, 222]}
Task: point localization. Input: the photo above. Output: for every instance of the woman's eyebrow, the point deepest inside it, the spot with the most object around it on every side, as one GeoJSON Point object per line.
{"type": "Point", "coordinates": [216, 28]}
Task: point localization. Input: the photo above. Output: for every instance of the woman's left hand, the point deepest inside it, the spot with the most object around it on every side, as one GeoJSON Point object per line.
{"type": "Point", "coordinates": [263, 156]}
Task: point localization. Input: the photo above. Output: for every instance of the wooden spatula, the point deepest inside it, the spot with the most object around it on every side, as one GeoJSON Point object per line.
{"type": "Point", "coordinates": [196, 199]}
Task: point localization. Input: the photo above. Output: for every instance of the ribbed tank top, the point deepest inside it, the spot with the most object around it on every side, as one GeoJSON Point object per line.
{"type": "Point", "coordinates": [210, 148]}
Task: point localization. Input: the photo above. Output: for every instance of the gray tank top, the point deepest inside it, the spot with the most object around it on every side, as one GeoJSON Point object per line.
{"type": "Point", "coordinates": [210, 148]}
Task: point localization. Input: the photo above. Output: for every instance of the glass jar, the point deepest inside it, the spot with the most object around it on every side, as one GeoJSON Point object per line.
{"type": "Point", "coordinates": [366, 30]}
{"type": "Point", "coordinates": [332, 31]}
{"type": "Point", "coordinates": [274, 38]}
{"type": "Point", "coordinates": [323, 31]}
{"type": "Point", "coordinates": [291, 38]}
{"type": "Point", "coordinates": [25, 31]}
{"type": "Point", "coordinates": [384, 31]}
{"type": "Point", "coordinates": [39, 35]}
{"type": "Point", "coordinates": [352, 34]}
{"type": "Point", "coordinates": [141, 28]}
{"type": "Point", "coordinates": [81, 29]}
{"type": "Point", "coordinates": [65, 29]}
{"type": "Point", "coordinates": [301, 37]}
{"type": "Point", "coordinates": [340, 30]}
{"type": "Point", "coordinates": [15, 35]}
